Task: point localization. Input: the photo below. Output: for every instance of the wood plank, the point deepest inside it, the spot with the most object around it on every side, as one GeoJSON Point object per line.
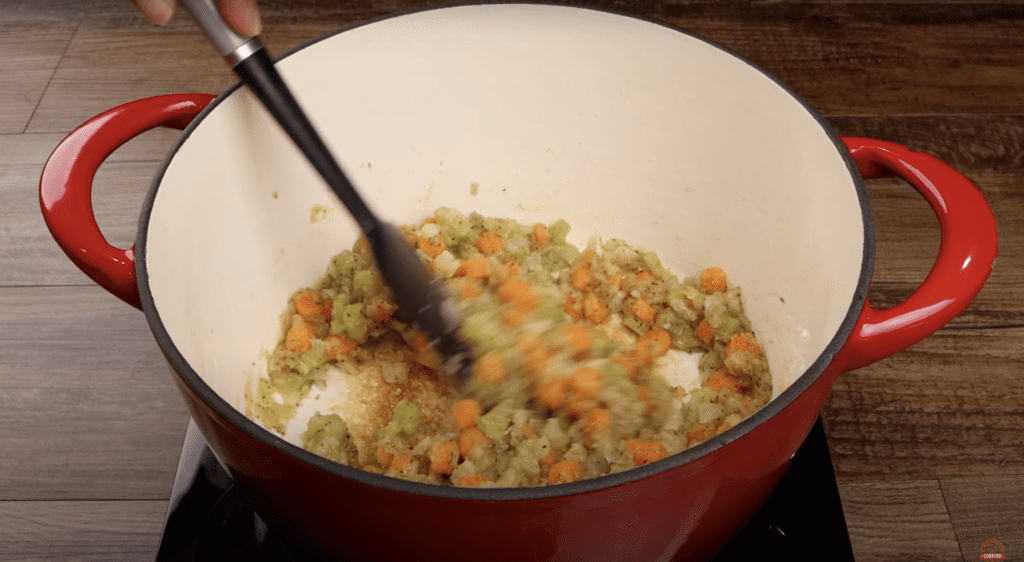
{"type": "Point", "coordinates": [940, 64]}
{"type": "Point", "coordinates": [80, 530]}
{"type": "Point", "coordinates": [28, 253]}
{"type": "Point", "coordinates": [986, 509]}
{"type": "Point", "coordinates": [940, 408]}
{"type": "Point", "coordinates": [59, 10]}
{"type": "Point", "coordinates": [116, 59]}
{"type": "Point", "coordinates": [903, 520]}
{"type": "Point", "coordinates": [87, 401]}
{"type": "Point", "coordinates": [32, 51]}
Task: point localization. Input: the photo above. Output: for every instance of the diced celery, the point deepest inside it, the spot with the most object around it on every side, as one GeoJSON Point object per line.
{"type": "Point", "coordinates": [497, 421]}
{"type": "Point", "coordinates": [454, 224]}
{"type": "Point", "coordinates": [726, 327]}
{"type": "Point", "coordinates": [705, 395]}
{"type": "Point", "coordinates": [653, 263]}
{"type": "Point", "coordinates": [517, 246]}
{"type": "Point", "coordinates": [389, 430]}
{"type": "Point", "coordinates": [708, 412]}
{"type": "Point", "coordinates": [614, 371]}
{"type": "Point", "coordinates": [342, 263]}
{"type": "Point", "coordinates": [603, 347]}
{"type": "Point", "coordinates": [558, 230]}
{"type": "Point", "coordinates": [308, 361]}
{"type": "Point", "coordinates": [353, 321]}
{"type": "Point", "coordinates": [635, 325]}
{"type": "Point", "coordinates": [406, 415]}
{"type": "Point", "coordinates": [363, 282]}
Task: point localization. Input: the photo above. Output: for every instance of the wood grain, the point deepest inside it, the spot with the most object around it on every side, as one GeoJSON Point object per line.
{"type": "Point", "coordinates": [989, 508]}
{"type": "Point", "coordinates": [66, 531]}
{"type": "Point", "coordinates": [86, 399]}
{"type": "Point", "coordinates": [899, 521]}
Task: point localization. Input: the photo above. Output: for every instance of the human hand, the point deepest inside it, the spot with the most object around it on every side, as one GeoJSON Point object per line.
{"type": "Point", "coordinates": [241, 15]}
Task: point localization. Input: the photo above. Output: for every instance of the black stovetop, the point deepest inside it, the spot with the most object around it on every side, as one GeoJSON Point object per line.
{"type": "Point", "coordinates": [208, 521]}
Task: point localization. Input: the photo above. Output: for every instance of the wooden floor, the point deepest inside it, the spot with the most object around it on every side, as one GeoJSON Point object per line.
{"type": "Point", "coordinates": [928, 446]}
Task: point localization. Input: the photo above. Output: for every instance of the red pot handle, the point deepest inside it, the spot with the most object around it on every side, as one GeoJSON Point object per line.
{"type": "Point", "coordinates": [968, 246]}
{"type": "Point", "coordinates": [65, 187]}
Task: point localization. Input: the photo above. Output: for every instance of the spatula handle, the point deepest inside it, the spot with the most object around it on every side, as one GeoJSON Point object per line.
{"type": "Point", "coordinates": [233, 46]}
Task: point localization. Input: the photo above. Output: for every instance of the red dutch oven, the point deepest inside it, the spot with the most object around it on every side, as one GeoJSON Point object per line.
{"type": "Point", "coordinates": [626, 128]}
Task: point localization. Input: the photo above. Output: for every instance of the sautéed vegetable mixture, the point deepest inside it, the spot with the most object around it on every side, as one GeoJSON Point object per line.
{"type": "Point", "coordinates": [571, 348]}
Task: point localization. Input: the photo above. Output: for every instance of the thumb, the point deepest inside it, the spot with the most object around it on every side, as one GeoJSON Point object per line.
{"type": "Point", "coordinates": [241, 15]}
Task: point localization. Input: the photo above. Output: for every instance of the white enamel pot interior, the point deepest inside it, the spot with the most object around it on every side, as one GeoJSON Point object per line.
{"type": "Point", "coordinates": [626, 128]}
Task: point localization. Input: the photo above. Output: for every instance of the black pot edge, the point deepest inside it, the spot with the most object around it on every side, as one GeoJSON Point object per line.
{"type": "Point", "coordinates": [783, 400]}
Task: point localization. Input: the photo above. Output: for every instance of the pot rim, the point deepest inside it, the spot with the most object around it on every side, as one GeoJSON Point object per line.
{"type": "Point", "coordinates": [686, 457]}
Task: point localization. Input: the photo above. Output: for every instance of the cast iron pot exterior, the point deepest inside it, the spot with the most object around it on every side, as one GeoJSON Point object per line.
{"type": "Point", "coordinates": [685, 507]}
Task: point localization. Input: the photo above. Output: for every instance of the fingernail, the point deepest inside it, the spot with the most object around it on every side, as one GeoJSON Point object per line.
{"type": "Point", "coordinates": [242, 15]}
{"type": "Point", "coordinates": [156, 11]}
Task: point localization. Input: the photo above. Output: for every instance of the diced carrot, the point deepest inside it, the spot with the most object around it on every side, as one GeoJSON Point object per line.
{"type": "Point", "coordinates": [580, 276]}
{"type": "Point", "coordinates": [528, 430]}
{"type": "Point", "coordinates": [661, 339]}
{"type": "Point", "coordinates": [645, 451]}
{"type": "Point", "coordinates": [580, 338]}
{"type": "Point", "coordinates": [642, 311]}
{"type": "Point", "coordinates": [443, 457]}
{"type": "Point", "coordinates": [643, 350]}
{"type": "Point", "coordinates": [466, 412]}
{"type": "Point", "coordinates": [511, 268]}
{"type": "Point", "coordinates": [489, 243]}
{"type": "Point", "coordinates": [401, 462]}
{"type": "Point", "coordinates": [713, 280]}
{"type": "Point", "coordinates": [541, 235]}
{"type": "Point", "coordinates": [552, 394]}
{"type": "Point", "coordinates": [549, 459]}
{"type": "Point", "coordinates": [644, 394]}
{"type": "Point", "coordinates": [514, 316]}
{"type": "Point", "coordinates": [327, 308]}
{"type": "Point", "coordinates": [432, 246]}
{"type": "Point", "coordinates": [597, 420]}
{"type": "Point", "coordinates": [336, 347]}
{"type": "Point", "coordinates": [299, 337]}
{"type": "Point", "coordinates": [474, 268]}
{"type": "Point", "coordinates": [644, 276]}
{"type": "Point", "coordinates": [489, 369]}
{"type": "Point", "coordinates": [572, 310]}
{"type": "Point", "coordinates": [467, 290]}
{"type": "Point", "coordinates": [705, 332]}
{"type": "Point", "coordinates": [721, 379]}
{"type": "Point", "coordinates": [594, 309]}
{"type": "Point", "coordinates": [742, 342]}
{"type": "Point", "coordinates": [384, 457]}
{"type": "Point", "coordinates": [307, 304]}
{"type": "Point", "coordinates": [579, 407]}
{"type": "Point", "coordinates": [697, 433]}
{"type": "Point", "coordinates": [587, 381]}
{"type": "Point", "coordinates": [538, 359]}
{"type": "Point", "coordinates": [471, 438]}
{"type": "Point", "coordinates": [472, 481]}
{"type": "Point", "coordinates": [429, 220]}
{"type": "Point", "coordinates": [616, 279]}
{"type": "Point", "coordinates": [517, 290]}
{"type": "Point", "coordinates": [564, 471]}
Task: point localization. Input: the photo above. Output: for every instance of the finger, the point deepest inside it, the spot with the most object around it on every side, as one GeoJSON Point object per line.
{"type": "Point", "coordinates": [241, 15]}
{"type": "Point", "coordinates": [156, 11]}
